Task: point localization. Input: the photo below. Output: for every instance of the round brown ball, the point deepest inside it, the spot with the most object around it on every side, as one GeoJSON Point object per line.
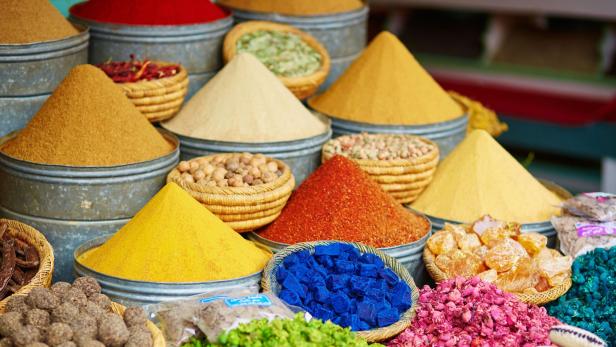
{"type": "Point", "coordinates": [92, 343]}
{"type": "Point", "coordinates": [93, 310]}
{"type": "Point", "coordinates": [112, 331]}
{"type": "Point", "coordinates": [138, 329]}
{"type": "Point", "coordinates": [102, 301]}
{"type": "Point", "coordinates": [6, 342]}
{"type": "Point", "coordinates": [67, 344]}
{"type": "Point", "coordinates": [10, 322]}
{"type": "Point", "coordinates": [141, 339]}
{"type": "Point", "coordinates": [135, 316]}
{"type": "Point", "coordinates": [76, 297]}
{"type": "Point", "coordinates": [17, 303]}
{"type": "Point", "coordinates": [88, 285]}
{"type": "Point", "coordinates": [60, 288]}
{"type": "Point", "coordinates": [58, 333]}
{"type": "Point", "coordinates": [42, 298]}
{"type": "Point", "coordinates": [37, 344]}
{"type": "Point", "coordinates": [25, 335]}
{"type": "Point", "coordinates": [64, 313]}
{"type": "Point", "coordinates": [37, 317]}
{"type": "Point", "coordinates": [85, 324]}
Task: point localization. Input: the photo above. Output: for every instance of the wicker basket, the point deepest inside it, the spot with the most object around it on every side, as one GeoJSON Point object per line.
{"type": "Point", "coordinates": [269, 283]}
{"type": "Point", "coordinates": [45, 251]}
{"type": "Point", "coordinates": [158, 99]}
{"type": "Point", "coordinates": [403, 179]}
{"type": "Point", "coordinates": [303, 86]}
{"type": "Point", "coordinates": [242, 208]}
{"type": "Point", "coordinates": [541, 298]}
{"type": "Point", "coordinates": [157, 336]}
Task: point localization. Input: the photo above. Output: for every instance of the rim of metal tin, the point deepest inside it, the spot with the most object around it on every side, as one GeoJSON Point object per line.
{"type": "Point", "coordinates": [46, 49]}
{"type": "Point", "coordinates": [266, 147]}
{"type": "Point", "coordinates": [151, 287]}
{"type": "Point", "coordinates": [155, 33]}
{"type": "Point", "coordinates": [253, 236]}
{"type": "Point", "coordinates": [51, 172]}
{"type": "Point", "coordinates": [325, 21]}
{"type": "Point", "coordinates": [454, 124]}
{"type": "Point", "coordinates": [538, 226]}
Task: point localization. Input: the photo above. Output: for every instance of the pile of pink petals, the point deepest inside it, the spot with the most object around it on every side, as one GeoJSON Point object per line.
{"type": "Point", "coordinates": [469, 312]}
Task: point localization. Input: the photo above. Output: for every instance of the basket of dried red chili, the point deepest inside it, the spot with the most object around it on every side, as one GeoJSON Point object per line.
{"type": "Point", "coordinates": [156, 88]}
{"type": "Point", "coordinates": [247, 191]}
{"type": "Point", "coordinates": [26, 260]}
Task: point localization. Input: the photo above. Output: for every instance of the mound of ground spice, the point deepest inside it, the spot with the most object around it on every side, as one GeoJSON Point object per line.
{"type": "Point", "coordinates": [32, 21]}
{"type": "Point", "coordinates": [149, 12]}
{"type": "Point", "coordinates": [386, 85]}
{"type": "Point", "coordinates": [295, 7]}
{"type": "Point", "coordinates": [175, 239]}
{"type": "Point", "coordinates": [87, 121]}
{"type": "Point", "coordinates": [247, 103]}
{"type": "Point", "coordinates": [340, 202]}
{"type": "Point", "coordinates": [481, 178]}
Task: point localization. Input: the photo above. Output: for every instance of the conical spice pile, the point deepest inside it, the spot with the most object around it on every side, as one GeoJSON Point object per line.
{"type": "Point", "coordinates": [387, 86]}
{"type": "Point", "coordinates": [481, 178]}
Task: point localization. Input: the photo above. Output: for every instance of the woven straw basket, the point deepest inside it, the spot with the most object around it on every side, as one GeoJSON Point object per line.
{"type": "Point", "coordinates": [538, 299]}
{"type": "Point", "coordinates": [159, 99]}
{"type": "Point", "coordinates": [302, 86]}
{"type": "Point", "coordinates": [403, 179]}
{"type": "Point", "coordinates": [242, 208]}
{"type": "Point", "coordinates": [157, 336]}
{"type": "Point", "coordinates": [269, 283]}
{"type": "Point", "coordinates": [46, 260]}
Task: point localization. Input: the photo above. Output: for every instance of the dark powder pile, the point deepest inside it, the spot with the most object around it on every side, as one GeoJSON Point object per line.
{"type": "Point", "coordinates": [341, 202]}
{"type": "Point", "coordinates": [28, 21]}
{"type": "Point", "coordinates": [87, 121]}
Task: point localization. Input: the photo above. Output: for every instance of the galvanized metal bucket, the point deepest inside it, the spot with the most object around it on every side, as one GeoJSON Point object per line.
{"type": "Point", "coordinates": [70, 204]}
{"type": "Point", "coordinates": [543, 228]}
{"type": "Point", "coordinates": [409, 255]}
{"type": "Point", "coordinates": [131, 293]}
{"type": "Point", "coordinates": [447, 135]}
{"type": "Point", "coordinates": [302, 156]}
{"type": "Point", "coordinates": [30, 72]}
{"type": "Point", "coordinates": [344, 34]}
{"type": "Point", "coordinates": [197, 47]}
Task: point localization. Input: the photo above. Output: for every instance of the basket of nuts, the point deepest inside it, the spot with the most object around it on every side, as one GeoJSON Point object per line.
{"type": "Point", "coordinates": [247, 191]}
{"type": "Point", "coordinates": [403, 165]}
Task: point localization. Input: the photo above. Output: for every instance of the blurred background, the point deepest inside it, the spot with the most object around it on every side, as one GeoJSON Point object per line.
{"type": "Point", "coordinates": [547, 67]}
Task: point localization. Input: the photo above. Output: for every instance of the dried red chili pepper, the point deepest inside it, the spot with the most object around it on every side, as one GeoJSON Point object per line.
{"type": "Point", "coordinates": [137, 70]}
{"type": "Point", "coordinates": [341, 202]}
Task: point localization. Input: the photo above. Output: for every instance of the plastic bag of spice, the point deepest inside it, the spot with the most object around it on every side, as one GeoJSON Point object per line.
{"type": "Point", "coordinates": [596, 206]}
{"type": "Point", "coordinates": [214, 313]}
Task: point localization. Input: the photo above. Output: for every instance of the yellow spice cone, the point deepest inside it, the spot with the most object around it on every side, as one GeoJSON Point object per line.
{"type": "Point", "coordinates": [175, 239]}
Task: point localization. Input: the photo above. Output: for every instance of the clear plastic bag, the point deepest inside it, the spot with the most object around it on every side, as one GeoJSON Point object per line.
{"type": "Point", "coordinates": [596, 206]}
{"type": "Point", "coordinates": [211, 314]}
{"type": "Point", "coordinates": [574, 245]}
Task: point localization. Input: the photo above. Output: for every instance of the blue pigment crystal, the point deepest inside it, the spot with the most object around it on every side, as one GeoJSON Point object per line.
{"type": "Point", "coordinates": [339, 283]}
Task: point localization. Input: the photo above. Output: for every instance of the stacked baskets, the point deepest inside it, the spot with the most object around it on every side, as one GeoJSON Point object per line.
{"type": "Point", "coordinates": [301, 86]}
{"type": "Point", "coordinates": [32, 237]}
{"type": "Point", "coordinates": [242, 208]}
{"type": "Point", "coordinates": [403, 179]}
{"type": "Point", "coordinates": [159, 99]}
{"type": "Point", "coordinates": [269, 283]}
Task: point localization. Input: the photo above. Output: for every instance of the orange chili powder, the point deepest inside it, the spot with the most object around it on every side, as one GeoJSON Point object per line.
{"type": "Point", "coordinates": [341, 202]}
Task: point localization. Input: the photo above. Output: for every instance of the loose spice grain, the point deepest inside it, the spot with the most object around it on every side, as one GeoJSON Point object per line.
{"type": "Point", "coordinates": [341, 202]}
{"type": "Point", "coordinates": [295, 7]}
{"type": "Point", "coordinates": [32, 21]}
{"type": "Point", "coordinates": [87, 121]}
{"type": "Point", "coordinates": [175, 239]}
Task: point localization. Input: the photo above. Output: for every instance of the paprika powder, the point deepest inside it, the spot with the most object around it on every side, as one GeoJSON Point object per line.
{"type": "Point", "coordinates": [341, 202]}
{"type": "Point", "coordinates": [149, 12]}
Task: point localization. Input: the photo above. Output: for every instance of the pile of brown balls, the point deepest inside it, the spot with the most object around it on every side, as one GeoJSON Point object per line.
{"type": "Point", "coordinates": [66, 315]}
{"type": "Point", "coordinates": [235, 170]}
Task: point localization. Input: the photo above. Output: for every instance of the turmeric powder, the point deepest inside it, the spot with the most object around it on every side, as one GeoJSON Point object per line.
{"type": "Point", "coordinates": [386, 85]}
{"type": "Point", "coordinates": [295, 7]}
{"type": "Point", "coordinates": [175, 239]}
{"type": "Point", "coordinates": [480, 177]}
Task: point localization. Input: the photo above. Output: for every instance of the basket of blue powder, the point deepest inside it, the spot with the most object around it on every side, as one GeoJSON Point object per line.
{"type": "Point", "coordinates": [350, 284]}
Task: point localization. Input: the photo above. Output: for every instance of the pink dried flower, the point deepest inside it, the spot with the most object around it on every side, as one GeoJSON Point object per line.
{"type": "Point", "coordinates": [472, 313]}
